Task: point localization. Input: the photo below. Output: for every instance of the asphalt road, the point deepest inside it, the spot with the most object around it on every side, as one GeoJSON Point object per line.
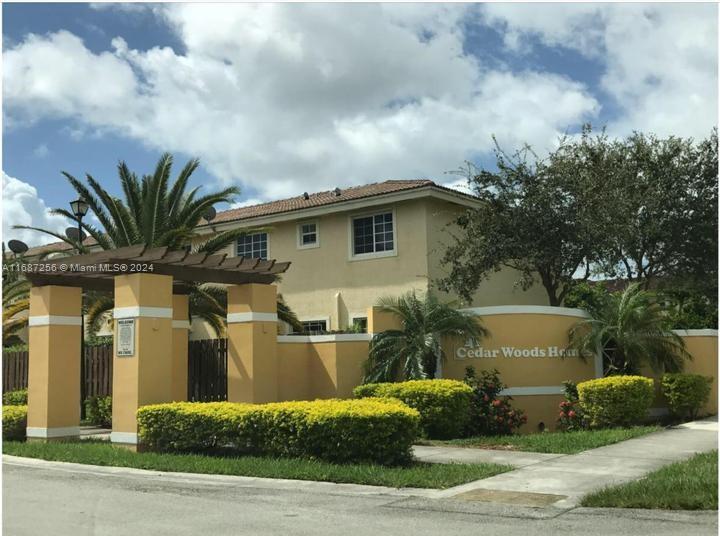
{"type": "Point", "coordinates": [50, 500]}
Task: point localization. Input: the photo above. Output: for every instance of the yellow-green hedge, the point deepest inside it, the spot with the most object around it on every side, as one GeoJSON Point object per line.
{"type": "Point", "coordinates": [616, 400]}
{"type": "Point", "coordinates": [370, 430]}
{"type": "Point", "coordinates": [444, 405]}
{"type": "Point", "coordinates": [14, 422]}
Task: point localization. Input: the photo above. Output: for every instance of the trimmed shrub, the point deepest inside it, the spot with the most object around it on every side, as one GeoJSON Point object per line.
{"type": "Point", "coordinates": [686, 393]}
{"type": "Point", "coordinates": [490, 413]}
{"type": "Point", "coordinates": [616, 400]}
{"type": "Point", "coordinates": [342, 431]}
{"type": "Point", "coordinates": [98, 410]}
{"type": "Point", "coordinates": [444, 405]}
{"type": "Point", "coordinates": [15, 398]}
{"type": "Point", "coordinates": [14, 422]}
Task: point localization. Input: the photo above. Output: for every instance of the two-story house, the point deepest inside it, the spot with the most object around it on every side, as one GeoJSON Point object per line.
{"type": "Point", "coordinates": [348, 247]}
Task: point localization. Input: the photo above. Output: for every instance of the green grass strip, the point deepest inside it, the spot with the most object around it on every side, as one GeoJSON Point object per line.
{"type": "Point", "coordinates": [550, 442]}
{"type": "Point", "coordinates": [688, 485]}
{"type": "Point", "coordinates": [417, 475]}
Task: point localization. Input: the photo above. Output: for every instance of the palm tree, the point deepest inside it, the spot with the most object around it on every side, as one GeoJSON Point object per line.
{"type": "Point", "coordinates": [631, 330]}
{"type": "Point", "coordinates": [415, 350]}
{"type": "Point", "coordinates": [15, 299]}
{"type": "Point", "coordinates": [155, 212]}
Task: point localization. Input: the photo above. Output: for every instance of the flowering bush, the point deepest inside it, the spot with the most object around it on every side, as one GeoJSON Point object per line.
{"type": "Point", "coordinates": [571, 416]}
{"type": "Point", "coordinates": [490, 414]}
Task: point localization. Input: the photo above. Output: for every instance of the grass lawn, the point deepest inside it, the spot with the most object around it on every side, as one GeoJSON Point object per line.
{"type": "Point", "coordinates": [417, 475]}
{"type": "Point", "coordinates": [688, 485]}
{"type": "Point", "coordinates": [552, 442]}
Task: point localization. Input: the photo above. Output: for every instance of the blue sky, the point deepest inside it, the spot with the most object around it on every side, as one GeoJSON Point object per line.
{"type": "Point", "coordinates": [287, 98]}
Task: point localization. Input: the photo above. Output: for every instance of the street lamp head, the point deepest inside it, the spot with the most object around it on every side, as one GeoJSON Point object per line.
{"type": "Point", "coordinates": [79, 207]}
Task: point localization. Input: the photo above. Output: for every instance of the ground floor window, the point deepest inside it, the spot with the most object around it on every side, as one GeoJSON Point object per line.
{"type": "Point", "coordinates": [314, 327]}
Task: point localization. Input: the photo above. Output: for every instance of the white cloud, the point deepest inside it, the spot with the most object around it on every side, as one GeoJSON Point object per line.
{"type": "Point", "coordinates": [286, 98]}
{"type": "Point", "coordinates": [660, 59]}
{"type": "Point", "coordinates": [22, 206]}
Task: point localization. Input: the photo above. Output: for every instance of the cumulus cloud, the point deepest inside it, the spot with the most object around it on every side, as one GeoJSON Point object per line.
{"type": "Point", "coordinates": [660, 59]}
{"type": "Point", "coordinates": [22, 206]}
{"type": "Point", "coordinates": [286, 98]}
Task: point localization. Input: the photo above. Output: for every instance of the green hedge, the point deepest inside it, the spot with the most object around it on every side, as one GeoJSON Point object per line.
{"type": "Point", "coordinates": [686, 393]}
{"type": "Point", "coordinates": [15, 398]}
{"type": "Point", "coordinates": [14, 422]}
{"type": "Point", "coordinates": [343, 431]}
{"type": "Point", "coordinates": [444, 405]}
{"type": "Point", "coordinates": [98, 410]}
{"type": "Point", "coordinates": [616, 400]}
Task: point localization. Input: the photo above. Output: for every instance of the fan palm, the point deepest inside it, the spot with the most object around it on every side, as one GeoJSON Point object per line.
{"type": "Point", "coordinates": [155, 212]}
{"type": "Point", "coordinates": [631, 330]}
{"type": "Point", "coordinates": [415, 350]}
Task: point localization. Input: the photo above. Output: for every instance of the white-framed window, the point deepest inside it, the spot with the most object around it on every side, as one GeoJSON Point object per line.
{"type": "Point", "coordinates": [308, 235]}
{"type": "Point", "coordinates": [358, 323]}
{"type": "Point", "coordinates": [315, 327]}
{"type": "Point", "coordinates": [373, 235]}
{"type": "Point", "coordinates": [254, 245]}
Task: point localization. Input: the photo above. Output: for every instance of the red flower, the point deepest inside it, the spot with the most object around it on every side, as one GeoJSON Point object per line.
{"type": "Point", "coordinates": [571, 414]}
{"type": "Point", "coordinates": [496, 403]}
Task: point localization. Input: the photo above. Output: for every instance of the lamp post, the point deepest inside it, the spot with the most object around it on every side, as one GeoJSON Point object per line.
{"type": "Point", "coordinates": [79, 209]}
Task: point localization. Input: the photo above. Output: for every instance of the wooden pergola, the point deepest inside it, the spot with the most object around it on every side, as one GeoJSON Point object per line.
{"type": "Point", "coordinates": [95, 271]}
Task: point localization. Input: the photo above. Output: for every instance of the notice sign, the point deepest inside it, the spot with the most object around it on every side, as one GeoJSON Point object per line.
{"type": "Point", "coordinates": [125, 337]}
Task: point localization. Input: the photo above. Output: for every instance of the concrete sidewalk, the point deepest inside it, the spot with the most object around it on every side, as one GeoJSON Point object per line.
{"type": "Point", "coordinates": [562, 480]}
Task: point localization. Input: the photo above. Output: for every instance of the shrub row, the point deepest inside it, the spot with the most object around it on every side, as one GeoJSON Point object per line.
{"type": "Point", "coordinates": [686, 394]}
{"type": "Point", "coordinates": [371, 430]}
{"type": "Point", "coordinates": [14, 422]}
{"type": "Point", "coordinates": [15, 398]}
{"type": "Point", "coordinates": [444, 405]}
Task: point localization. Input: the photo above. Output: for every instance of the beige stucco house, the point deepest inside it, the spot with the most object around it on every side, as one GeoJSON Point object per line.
{"type": "Point", "coordinates": [348, 247]}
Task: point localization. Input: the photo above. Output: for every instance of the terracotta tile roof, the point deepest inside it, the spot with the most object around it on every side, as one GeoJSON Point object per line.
{"type": "Point", "coordinates": [291, 204]}
{"type": "Point", "coordinates": [320, 199]}
{"type": "Point", "coordinates": [56, 247]}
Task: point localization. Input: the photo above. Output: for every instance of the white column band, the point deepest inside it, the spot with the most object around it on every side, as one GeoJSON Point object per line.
{"type": "Point", "coordinates": [238, 318]}
{"type": "Point", "coordinates": [54, 320]}
{"type": "Point", "coordinates": [144, 312]}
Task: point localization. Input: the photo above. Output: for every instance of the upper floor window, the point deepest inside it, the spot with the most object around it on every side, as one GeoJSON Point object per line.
{"type": "Point", "coordinates": [308, 235]}
{"type": "Point", "coordinates": [373, 234]}
{"type": "Point", "coordinates": [314, 327]}
{"type": "Point", "coordinates": [253, 245]}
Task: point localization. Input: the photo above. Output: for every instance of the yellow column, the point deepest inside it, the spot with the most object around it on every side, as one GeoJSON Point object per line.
{"type": "Point", "coordinates": [142, 349]}
{"type": "Point", "coordinates": [54, 367]}
{"type": "Point", "coordinates": [252, 343]}
{"type": "Point", "coordinates": [379, 320]}
{"type": "Point", "coordinates": [180, 331]}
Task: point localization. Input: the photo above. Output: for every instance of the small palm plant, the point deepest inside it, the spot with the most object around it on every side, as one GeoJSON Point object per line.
{"type": "Point", "coordinates": [15, 299]}
{"type": "Point", "coordinates": [415, 350]}
{"type": "Point", "coordinates": [631, 330]}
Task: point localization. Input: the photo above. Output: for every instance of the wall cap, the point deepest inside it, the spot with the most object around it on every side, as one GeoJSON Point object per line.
{"type": "Point", "coordinates": [696, 332]}
{"type": "Point", "coordinates": [527, 310]}
{"type": "Point", "coordinates": [337, 337]}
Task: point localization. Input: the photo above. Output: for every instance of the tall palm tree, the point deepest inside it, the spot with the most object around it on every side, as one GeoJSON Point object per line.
{"type": "Point", "coordinates": [155, 212]}
{"type": "Point", "coordinates": [15, 299]}
{"type": "Point", "coordinates": [415, 350]}
{"type": "Point", "coordinates": [631, 330]}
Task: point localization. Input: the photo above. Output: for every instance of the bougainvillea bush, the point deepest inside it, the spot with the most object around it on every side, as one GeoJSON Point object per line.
{"type": "Point", "coordinates": [571, 416]}
{"type": "Point", "coordinates": [490, 413]}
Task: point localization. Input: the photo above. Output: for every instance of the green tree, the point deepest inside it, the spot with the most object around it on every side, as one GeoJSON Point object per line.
{"type": "Point", "coordinates": [15, 299]}
{"type": "Point", "coordinates": [536, 217]}
{"type": "Point", "coordinates": [663, 212]}
{"type": "Point", "coordinates": [156, 212]}
{"type": "Point", "coordinates": [631, 330]}
{"type": "Point", "coordinates": [415, 350]}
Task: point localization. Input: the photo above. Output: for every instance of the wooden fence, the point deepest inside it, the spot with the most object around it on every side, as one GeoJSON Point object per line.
{"type": "Point", "coordinates": [207, 370]}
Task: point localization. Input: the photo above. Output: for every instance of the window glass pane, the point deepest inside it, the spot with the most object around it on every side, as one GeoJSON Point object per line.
{"type": "Point", "coordinates": [253, 245]}
{"type": "Point", "coordinates": [363, 235]}
{"type": "Point", "coordinates": [308, 234]}
{"type": "Point", "coordinates": [373, 234]}
{"type": "Point", "coordinates": [360, 324]}
{"type": "Point", "coordinates": [313, 327]}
